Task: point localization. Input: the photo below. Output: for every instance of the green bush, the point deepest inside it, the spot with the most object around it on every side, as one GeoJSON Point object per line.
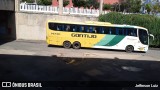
{"type": "Point", "coordinates": [152, 23]}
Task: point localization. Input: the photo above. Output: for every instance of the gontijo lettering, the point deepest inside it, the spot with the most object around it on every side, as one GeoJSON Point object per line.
{"type": "Point", "coordinates": [83, 35]}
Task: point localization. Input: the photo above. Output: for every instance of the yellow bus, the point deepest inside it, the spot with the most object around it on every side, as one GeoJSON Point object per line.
{"type": "Point", "coordinates": [93, 34]}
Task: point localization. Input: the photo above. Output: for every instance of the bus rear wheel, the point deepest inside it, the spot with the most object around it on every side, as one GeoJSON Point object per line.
{"type": "Point", "coordinates": [129, 48]}
{"type": "Point", "coordinates": [67, 44]}
{"type": "Point", "coordinates": [76, 45]}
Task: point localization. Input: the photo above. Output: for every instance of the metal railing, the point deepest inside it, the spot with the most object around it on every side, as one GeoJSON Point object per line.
{"type": "Point", "coordinates": [51, 9]}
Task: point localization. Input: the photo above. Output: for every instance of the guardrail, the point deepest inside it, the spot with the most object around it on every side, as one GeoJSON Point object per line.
{"type": "Point", "coordinates": [51, 9]}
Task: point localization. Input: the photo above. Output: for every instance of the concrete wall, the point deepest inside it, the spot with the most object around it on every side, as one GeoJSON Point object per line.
{"type": "Point", "coordinates": [7, 5]}
{"type": "Point", "coordinates": [32, 26]}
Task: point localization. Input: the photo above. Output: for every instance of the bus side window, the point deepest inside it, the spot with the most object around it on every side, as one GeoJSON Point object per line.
{"type": "Point", "coordinates": [59, 27]}
{"type": "Point", "coordinates": [86, 29]}
{"type": "Point", "coordinates": [98, 29]}
{"type": "Point", "coordinates": [105, 30]}
{"type": "Point", "coordinates": [117, 31]}
{"type": "Point", "coordinates": [91, 29]}
{"type": "Point", "coordinates": [113, 31]}
{"type": "Point", "coordinates": [78, 28]}
{"type": "Point", "coordinates": [110, 30]}
{"type": "Point", "coordinates": [94, 30]}
{"type": "Point", "coordinates": [82, 29]}
{"type": "Point", "coordinates": [131, 32]}
{"type": "Point", "coordinates": [51, 26]}
{"type": "Point", "coordinates": [74, 28]}
{"type": "Point", "coordinates": [65, 27]}
{"type": "Point", "coordinates": [135, 32]}
{"type": "Point", "coordinates": [126, 31]}
{"type": "Point", "coordinates": [121, 31]}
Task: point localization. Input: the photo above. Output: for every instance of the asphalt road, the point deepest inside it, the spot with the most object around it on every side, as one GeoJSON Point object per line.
{"type": "Point", "coordinates": [40, 48]}
{"type": "Point", "coordinates": [35, 61]}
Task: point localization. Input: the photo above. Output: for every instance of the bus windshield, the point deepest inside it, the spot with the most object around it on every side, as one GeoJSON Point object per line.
{"type": "Point", "coordinates": [143, 36]}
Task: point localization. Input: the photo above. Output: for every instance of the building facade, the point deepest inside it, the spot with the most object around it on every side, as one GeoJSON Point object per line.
{"type": "Point", "coordinates": [7, 19]}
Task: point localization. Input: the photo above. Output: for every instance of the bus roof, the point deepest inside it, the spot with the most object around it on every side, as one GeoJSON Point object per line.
{"type": "Point", "coordinates": [96, 23]}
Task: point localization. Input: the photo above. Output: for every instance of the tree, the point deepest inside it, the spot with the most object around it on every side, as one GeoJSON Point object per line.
{"type": "Point", "coordinates": [92, 4]}
{"type": "Point", "coordinates": [115, 7]}
{"type": "Point", "coordinates": [28, 1]}
{"type": "Point", "coordinates": [79, 3]}
{"type": "Point", "coordinates": [41, 2]}
{"type": "Point", "coordinates": [44, 2]}
{"type": "Point", "coordinates": [155, 8]}
{"type": "Point", "coordinates": [133, 6]}
{"type": "Point", "coordinates": [65, 3]}
{"type": "Point", "coordinates": [107, 7]}
{"type": "Point", "coordinates": [148, 8]}
{"type": "Point", "coordinates": [86, 3]}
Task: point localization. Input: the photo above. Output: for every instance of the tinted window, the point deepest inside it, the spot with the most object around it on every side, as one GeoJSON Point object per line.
{"type": "Point", "coordinates": [82, 28]}
{"type": "Point", "coordinates": [120, 31]}
{"type": "Point", "coordinates": [112, 31]}
{"type": "Point", "coordinates": [97, 29]}
{"type": "Point", "coordinates": [52, 26]}
{"type": "Point", "coordinates": [106, 30]}
{"type": "Point", "coordinates": [130, 32]}
{"type": "Point", "coordinates": [93, 29]}
{"type": "Point", "coordinates": [67, 27]}
{"type": "Point", "coordinates": [60, 27]}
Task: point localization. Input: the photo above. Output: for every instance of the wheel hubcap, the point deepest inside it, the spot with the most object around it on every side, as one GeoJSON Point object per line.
{"type": "Point", "coordinates": [67, 44]}
{"type": "Point", "coordinates": [129, 48]}
{"type": "Point", "coordinates": [76, 45]}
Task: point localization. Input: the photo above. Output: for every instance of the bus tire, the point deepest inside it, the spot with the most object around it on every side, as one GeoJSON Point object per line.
{"type": "Point", "coordinates": [129, 49]}
{"type": "Point", "coordinates": [76, 45]}
{"type": "Point", "coordinates": [67, 44]}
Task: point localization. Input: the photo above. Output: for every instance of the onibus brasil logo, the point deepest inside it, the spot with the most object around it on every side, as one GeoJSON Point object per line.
{"type": "Point", "coordinates": [15, 84]}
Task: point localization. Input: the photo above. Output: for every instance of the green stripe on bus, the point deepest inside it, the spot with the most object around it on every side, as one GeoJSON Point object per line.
{"type": "Point", "coordinates": [115, 40]}
{"type": "Point", "coordinates": [105, 40]}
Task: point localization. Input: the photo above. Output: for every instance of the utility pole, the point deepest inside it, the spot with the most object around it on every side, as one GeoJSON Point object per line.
{"type": "Point", "coordinates": [101, 7]}
{"type": "Point", "coordinates": [60, 7]}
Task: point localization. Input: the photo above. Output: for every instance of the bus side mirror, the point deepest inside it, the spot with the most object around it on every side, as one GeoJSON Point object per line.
{"type": "Point", "coordinates": [151, 35]}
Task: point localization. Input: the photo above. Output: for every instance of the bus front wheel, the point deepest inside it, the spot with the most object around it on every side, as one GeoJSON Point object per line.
{"type": "Point", "coordinates": [76, 45]}
{"type": "Point", "coordinates": [67, 44]}
{"type": "Point", "coordinates": [129, 48]}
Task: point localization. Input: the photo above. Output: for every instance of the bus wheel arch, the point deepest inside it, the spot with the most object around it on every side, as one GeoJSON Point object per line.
{"type": "Point", "coordinates": [129, 48]}
{"type": "Point", "coordinates": [76, 45]}
{"type": "Point", "coordinates": [67, 44]}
